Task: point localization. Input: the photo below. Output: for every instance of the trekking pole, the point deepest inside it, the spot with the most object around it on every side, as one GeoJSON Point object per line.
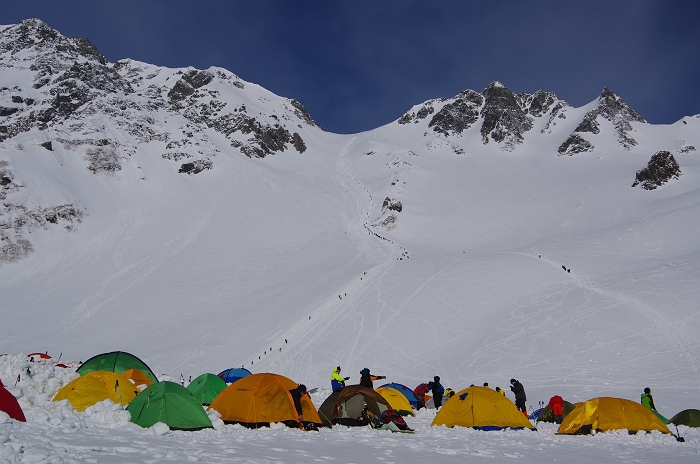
{"type": "Point", "coordinates": [678, 435]}
{"type": "Point", "coordinates": [116, 389]}
{"type": "Point", "coordinates": [16, 381]}
{"type": "Point", "coordinates": [59, 357]}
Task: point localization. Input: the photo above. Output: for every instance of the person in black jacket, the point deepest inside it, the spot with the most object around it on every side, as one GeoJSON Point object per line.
{"type": "Point", "coordinates": [366, 379]}
{"type": "Point", "coordinates": [519, 391]}
{"type": "Point", "coordinates": [438, 391]}
{"type": "Point", "coordinates": [297, 393]}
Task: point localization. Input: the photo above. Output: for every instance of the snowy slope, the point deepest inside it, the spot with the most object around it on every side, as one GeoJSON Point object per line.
{"type": "Point", "coordinates": [272, 241]}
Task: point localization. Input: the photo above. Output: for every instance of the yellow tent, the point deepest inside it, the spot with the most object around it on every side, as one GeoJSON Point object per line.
{"type": "Point", "coordinates": [604, 414]}
{"type": "Point", "coordinates": [137, 377]}
{"type": "Point", "coordinates": [97, 386]}
{"type": "Point", "coordinates": [481, 408]}
{"type": "Point", "coordinates": [260, 399]}
{"type": "Point", "coordinates": [397, 400]}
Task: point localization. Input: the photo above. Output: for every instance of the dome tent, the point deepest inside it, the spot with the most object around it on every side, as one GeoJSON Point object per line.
{"type": "Point", "coordinates": [481, 408]}
{"type": "Point", "coordinates": [117, 362]}
{"type": "Point", "coordinates": [170, 403]}
{"type": "Point", "coordinates": [688, 417]}
{"type": "Point", "coordinates": [396, 400]}
{"type": "Point", "coordinates": [604, 414]}
{"type": "Point", "coordinates": [137, 377]}
{"type": "Point", "coordinates": [206, 387]}
{"type": "Point", "coordinates": [261, 399]}
{"type": "Point", "coordinates": [97, 386]}
{"type": "Point", "coordinates": [407, 392]}
{"type": "Point", "coordinates": [233, 374]}
{"type": "Point", "coordinates": [345, 406]}
{"type": "Point", "coordinates": [546, 414]}
{"type": "Point", "coordinates": [9, 404]}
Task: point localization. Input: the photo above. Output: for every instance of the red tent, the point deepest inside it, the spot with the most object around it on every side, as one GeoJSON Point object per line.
{"type": "Point", "coordinates": [9, 404]}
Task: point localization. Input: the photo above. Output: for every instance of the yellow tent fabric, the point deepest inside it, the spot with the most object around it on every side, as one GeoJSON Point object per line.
{"type": "Point", "coordinates": [604, 414]}
{"type": "Point", "coordinates": [481, 408]}
{"type": "Point", "coordinates": [97, 386]}
{"type": "Point", "coordinates": [137, 377]}
{"type": "Point", "coordinates": [397, 400]}
{"type": "Point", "coordinates": [260, 399]}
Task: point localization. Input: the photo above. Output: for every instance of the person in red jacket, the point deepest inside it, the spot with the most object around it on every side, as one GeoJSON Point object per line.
{"type": "Point", "coordinates": [419, 392]}
{"type": "Point", "coordinates": [556, 404]}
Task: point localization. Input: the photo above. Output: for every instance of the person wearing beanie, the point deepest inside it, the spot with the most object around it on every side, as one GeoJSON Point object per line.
{"type": "Point", "coordinates": [648, 400]}
{"type": "Point", "coordinates": [519, 392]}
{"type": "Point", "coordinates": [337, 381]}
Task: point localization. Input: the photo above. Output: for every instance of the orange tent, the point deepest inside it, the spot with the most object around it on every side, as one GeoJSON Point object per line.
{"type": "Point", "coordinates": [137, 377]}
{"type": "Point", "coordinates": [261, 399]}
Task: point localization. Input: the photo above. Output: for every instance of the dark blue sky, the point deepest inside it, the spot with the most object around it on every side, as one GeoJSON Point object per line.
{"type": "Point", "coordinates": [358, 64]}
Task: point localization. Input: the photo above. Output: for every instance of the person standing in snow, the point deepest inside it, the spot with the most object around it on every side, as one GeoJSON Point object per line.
{"type": "Point", "coordinates": [297, 393]}
{"type": "Point", "coordinates": [419, 392]}
{"type": "Point", "coordinates": [337, 382]}
{"type": "Point", "coordinates": [647, 400]}
{"type": "Point", "coordinates": [498, 389]}
{"type": "Point", "coordinates": [438, 391]}
{"type": "Point", "coordinates": [519, 391]}
{"type": "Point", "coordinates": [367, 379]}
{"type": "Point", "coordinates": [556, 405]}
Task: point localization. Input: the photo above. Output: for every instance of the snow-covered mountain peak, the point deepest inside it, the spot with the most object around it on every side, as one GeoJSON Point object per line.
{"type": "Point", "coordinates": [202, 222]}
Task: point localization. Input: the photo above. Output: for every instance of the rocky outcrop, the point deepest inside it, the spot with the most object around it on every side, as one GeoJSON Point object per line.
{"type": "Point", "coordinates": [612, 108]}
{"type": "Point", "coordinates": [504, 120]}
{"type": "Point", "coordinates": [457, 116]}
{"type": "Point", "coordinates": [195, 167]}
{"type": "Point", "coordinates": [661, 168]}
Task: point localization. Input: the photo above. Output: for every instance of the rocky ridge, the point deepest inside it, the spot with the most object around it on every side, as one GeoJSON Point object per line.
{"type": "Point", "coordinates": [77, 104]}
{"type": "Point", "coordinates": [610, 108]}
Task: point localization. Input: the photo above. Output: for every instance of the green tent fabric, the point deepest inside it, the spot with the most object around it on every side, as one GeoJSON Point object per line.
{"type": "Point", "coordinates": [170, 403]}
{"type": "Point", "coordinates": [206, 387]}
{"type": "Point", "coordinates": [547, 416]}
{"type": "Point", "coordinates": [688, 417]}
{"type": "Point", "coordinates": [661, 418]}
{"type": "Point", "coordinates": [117, 362]}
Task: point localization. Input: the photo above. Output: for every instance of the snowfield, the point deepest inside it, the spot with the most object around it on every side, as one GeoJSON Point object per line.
{"type": "Point", "coordinates": [55, 433]}
{"type": "Point", "coordinates": [201, 222]}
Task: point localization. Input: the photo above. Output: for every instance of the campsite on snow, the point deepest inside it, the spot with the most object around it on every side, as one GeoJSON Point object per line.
{"type": "Point", "coordinates": [204, 225]}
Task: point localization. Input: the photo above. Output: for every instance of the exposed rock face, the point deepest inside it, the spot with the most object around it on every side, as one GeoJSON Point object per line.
{"type": "Point", "coordinates": [101, 113]}
{"type": "Point", "coordinates": [661, 168]}
{"type": "Point", "coordinates": [537, 104]}
{"type": "Point", "coordinates": [392, 204]}
{"type": "Point", "coordinates": [504, 119]}
{"type": "Point", "coordinates": [457, 116]}
{"type": "Point", "coordinates": [300, 111]}
{"type": "Point", "coordinates": [612, 108]}
{"type": "Point", "coordinates": [574, 144]}
{"type": "Point", "coordinates": [195, 167]}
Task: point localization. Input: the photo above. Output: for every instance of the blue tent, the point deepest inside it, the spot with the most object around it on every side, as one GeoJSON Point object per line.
{"type": "Point", "coordinates": [231, 375]}
{"type": "Point", "coordinates": [407, 392]}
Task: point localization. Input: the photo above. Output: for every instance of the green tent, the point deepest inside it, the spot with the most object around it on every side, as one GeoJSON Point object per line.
{"type": "Point", "coordinates": [547, 416]}
{"type": "Point", "coordinates": [206, 387]}
{"type": "Point", "coordinates": [661, 418]}
{"type": "Point", "coordinates": [170, 403]}
{"type": "Point", "coordinates": [689, 417]}
{"type": "Point", "coordinates": [117, 362]}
